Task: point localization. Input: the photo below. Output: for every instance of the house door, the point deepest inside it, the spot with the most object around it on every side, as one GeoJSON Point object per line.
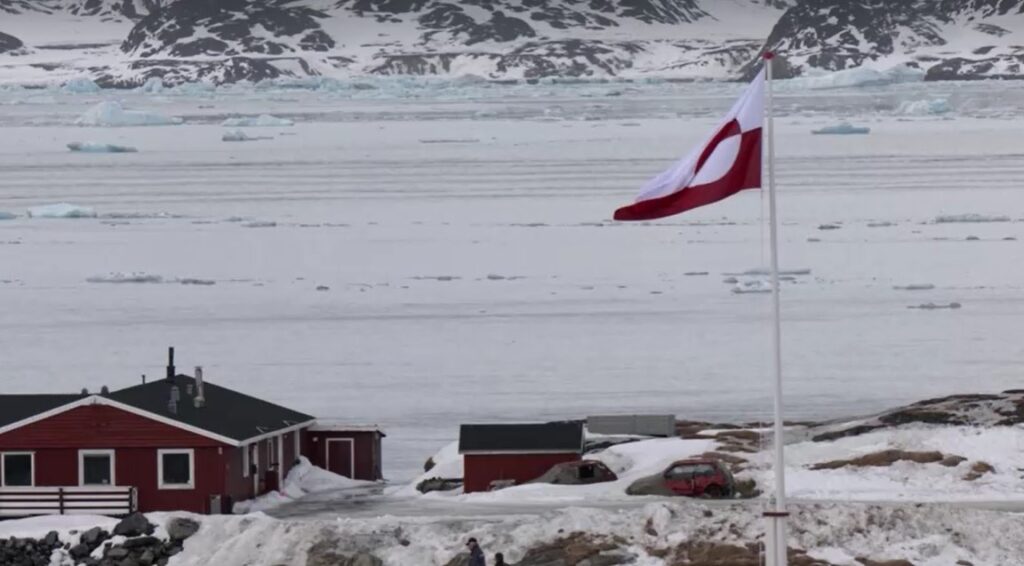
{"type": "Point", "coordinates": [340, 456]}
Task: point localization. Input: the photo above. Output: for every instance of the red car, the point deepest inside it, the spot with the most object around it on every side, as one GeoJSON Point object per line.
{"type": "Point", "coordinates": [690, 478]}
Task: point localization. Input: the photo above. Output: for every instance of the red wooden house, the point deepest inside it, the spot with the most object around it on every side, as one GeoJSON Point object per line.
{"type": "Point", "coordinates": [178, 443]}
{"type": "Point", "coordinates": [515, 453]}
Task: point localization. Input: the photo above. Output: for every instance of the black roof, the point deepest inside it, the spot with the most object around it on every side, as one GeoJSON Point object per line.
{"type": "Point", "coordinates": [547, 437]}
{"type": "Point", "coordinates": [226, 413]}
{"type": "Point", "coordinates": [14, 408]}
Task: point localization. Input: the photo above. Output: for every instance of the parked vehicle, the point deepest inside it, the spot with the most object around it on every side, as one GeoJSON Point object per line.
{"type": "Point", "coordinates": [688, 478]}
{"type": "Point", "coordinates": [577, 473]}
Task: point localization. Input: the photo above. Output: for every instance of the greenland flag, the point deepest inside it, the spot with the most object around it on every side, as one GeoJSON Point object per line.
{"type": "Point", "coordinates": [728, 162]}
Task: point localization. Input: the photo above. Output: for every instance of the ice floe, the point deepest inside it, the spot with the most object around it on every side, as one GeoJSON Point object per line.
{"type": "Point", "coordinates": [914, 287]}
{"type": "Point", "coordinates": [931, 107]}
{"type": "Point", "coordinates": [61, 210]}
{"type": "Point", "coordinates": [261, 121]}
{"type": "Point", "coordinates": [7, 215]}
{"type": "Point", "coordinates": [969, 218]}
{"type": "Point", "coordinates": [119, 277]}
{"type": "Point", "coordinates": [260, 224]}
{"type": "Point", "coordinates": [843, 128]}
{"type": "Point", "coordinates": [934, 306]}
{"type": "Point", "coordinates": [98, 147]}
{"type": "Point", "coordinates": [752, 286]}
{"type": "Point", "coordinates": [112, 114]}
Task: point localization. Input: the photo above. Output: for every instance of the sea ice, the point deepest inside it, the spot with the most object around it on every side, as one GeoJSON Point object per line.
{"type": "Point", "coordinates": [235, 136]}
{"type": "Point", "coordinates": [97, 147]}
{"type": "Point", "coordinates": [843, 128]}
{"type": "Point", "coordinates": [924, 107]}
{"type": "Point", "coordinates": [969, 218]}
{"type": "Point", "coordinates": [933, 306]}
{"type": "Point", "coordinates": [262, 121]}
{"type": "Point", "coordinates": [753, 286]}
{"type": "Point", "coordinates": [81, 85]}
{"type": "Point", "coordinates": [915, 287]}
{"type": "Point", "coordinates": [112, 114]}
{"type": "Point", "coordinates": [7, 215]}
{"type": "Point", "coordinates": [852, 78]}
{"type": "Point", "coordinates": [260, 224]}
{"type": "Point", "coordinates": [61, 210]}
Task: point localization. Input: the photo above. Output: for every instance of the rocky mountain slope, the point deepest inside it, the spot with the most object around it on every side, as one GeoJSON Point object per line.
{"type": "Point", "coordinates": [125, 42]}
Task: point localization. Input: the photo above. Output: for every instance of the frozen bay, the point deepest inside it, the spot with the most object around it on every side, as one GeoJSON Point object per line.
{"type": "Point", "coordinates": [468, 269]}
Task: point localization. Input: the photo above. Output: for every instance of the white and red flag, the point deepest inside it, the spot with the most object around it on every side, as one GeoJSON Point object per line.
{"type": "Point", "coordinates": [728, 162]}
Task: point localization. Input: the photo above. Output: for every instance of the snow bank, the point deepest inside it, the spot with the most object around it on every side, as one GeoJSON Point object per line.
{"type": "Point", "coordinates": [969, 218]}
{"type": "Point", "coordinates": [81, 85]}
{"type": "Point", "coordinates": [112, 114]}
{"type": "Point", "coordinates": [262, 121]}
{"type": "Point", "coordinates": [97, 147]}
{"type": "Point", "coordinates": [61, 210]}
{"type": "Point", "coordinates": [303, 479]}
{"type": "Point", "coordinates": [924, 107]}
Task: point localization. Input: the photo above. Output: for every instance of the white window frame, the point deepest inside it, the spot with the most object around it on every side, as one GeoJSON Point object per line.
{"type": "Point", "coordinates": [3, 467]}
{"type": "Point", "coordinates": [191, 468]}
{"type": "Point", "coordinates": [246, 465]}
{"type": "Point", "coordinates": [81, 465]}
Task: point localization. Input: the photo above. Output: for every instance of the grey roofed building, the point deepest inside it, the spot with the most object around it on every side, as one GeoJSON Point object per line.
{"type": "Point", "coordinates": [557, 437]}
{"type": "Point", "coordinates": [14, 408]}
{"type": "Point", "coordinates": [226, 412]}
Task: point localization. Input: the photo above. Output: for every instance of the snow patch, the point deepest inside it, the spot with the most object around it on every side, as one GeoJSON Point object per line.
{"type": "Point", "coordinates": [302, 480]}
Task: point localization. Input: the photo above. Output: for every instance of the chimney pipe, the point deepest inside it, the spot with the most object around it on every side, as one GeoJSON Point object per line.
{"type": "Point", "coordinates": [170, 364]}
{"type": "Point", "coordinates": [200, 399]}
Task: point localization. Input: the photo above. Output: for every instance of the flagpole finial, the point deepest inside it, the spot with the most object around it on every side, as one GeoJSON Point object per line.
{"type": "Point", "coordinates": [769, 55]}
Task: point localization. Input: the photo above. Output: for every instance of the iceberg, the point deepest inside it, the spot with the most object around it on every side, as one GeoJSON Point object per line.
{"type": "Point", "coordinates": [754, 286]}
{"type": "Point", "coordinates": [932, 107]}
{"type": "Point", "coordinates": [240, 136]}
{"type": "Point", "coordinates": [7, 215]}
{"type": "Point", "coordinates": [261, 121]}
{"type": "Point", "coordinates": [853, 78]}
{"type": "Point", "coordinates": [81, 85]}
{"type": "Point", "coordinates": [61, 210]}
{"type": "Point", "coordinates": [153, 85]}
{"type": "Point", "coordinates": [97, 147]}
{"type": "Point", "coordinates": [843, 128]}
{"type": "Point", "coordinates": [126, 278]}
{"type": "Point", "coordinates": [112, 114]}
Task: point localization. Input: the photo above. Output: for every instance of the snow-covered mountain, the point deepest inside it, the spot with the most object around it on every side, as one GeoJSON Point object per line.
{"type": "Point", "coordinates": [125, 42]}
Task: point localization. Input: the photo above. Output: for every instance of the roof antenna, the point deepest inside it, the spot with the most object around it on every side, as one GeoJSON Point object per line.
{"type": "Point", "coordinates": [200, 399]}
{"type": "Point", "coordinates": [170, 364]}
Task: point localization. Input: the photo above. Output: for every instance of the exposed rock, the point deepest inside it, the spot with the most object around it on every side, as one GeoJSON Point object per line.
{"type": "Point", "coordinates": [883, 458]}
{"type": "Point", "coordinates": [133, 525]}
{"type": "Point", "coordinates": [180, 528]}
{"type": "Point", "coordinates": [9, 43]}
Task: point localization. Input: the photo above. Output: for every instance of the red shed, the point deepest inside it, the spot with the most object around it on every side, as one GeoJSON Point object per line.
{"type": "Point", "coordinates": [352, 451]}
{"type": "Point", "coordinates": [178, 443]}
{"type": "Point", "coordinates": [515, 452]}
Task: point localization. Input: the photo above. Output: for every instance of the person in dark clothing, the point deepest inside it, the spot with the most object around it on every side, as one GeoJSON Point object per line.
{"type": "Point", "coordinates": [499, 560]}
{"type": "Point", "coordinates": [476, 555]}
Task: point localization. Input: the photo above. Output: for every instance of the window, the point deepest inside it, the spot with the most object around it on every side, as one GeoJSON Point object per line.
{"type": "Point", "coordinates": [176, 469]}
{"type": "Point", "coordinates": [680, 473]}
{"type": "Point", "coordinates": [17, 469]}
{"type": "Point", "coordinates": [96, 467]}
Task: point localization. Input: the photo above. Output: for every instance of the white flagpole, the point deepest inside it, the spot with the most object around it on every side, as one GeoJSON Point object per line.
{"type": "Point", "coordinates": [777, 517]}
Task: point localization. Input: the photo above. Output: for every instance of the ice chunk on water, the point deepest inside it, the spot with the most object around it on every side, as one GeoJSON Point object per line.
{"type": "Point", "coordinates": [81, 85]}
{"type": "Point", "coordinates": [154, 85]}
{"type": "Point", "coordinates": [261, 121]}
{"type": "Point", "coordinates": [61, 210]}
{"type": "Point", "coordinates": [111, 113]}
{"type": "Point", "coordinates": [915, 287]}
{"type": "Point", "coordinates": [126, 278]}
{"type": "Point", "coordinates": [843, 128]}
{"type": "Point", "coordinates": [97, 147]}
{"type": "Point", "coordinates": [924, 107]}
{"type": "Point", "coordinates": [969, 218]}
{"type": "Point", "coordinates": [852, 78]}
{"type": "Point", "coordinates": [7, 215]}
{"type": "Point", "coordinates": [753, 286]}
{"type": "Point", "coordinates": [240, 136]}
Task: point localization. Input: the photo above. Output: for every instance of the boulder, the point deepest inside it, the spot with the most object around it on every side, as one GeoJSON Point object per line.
{"type": "Point", "coordinates": [79, 551]}
{"type": "Point", "coordinates": [117, 553]}
{"type": "Point", "coordinates": [134, 525]}
{"type": "Point", "coordinates": [142, 542]}
{"type": "Point", "coordinates": [181, 528]}
{"type": "Point", "coordinates": [51, 540]}
{"type": "Point", "coordinates": [94, 537]}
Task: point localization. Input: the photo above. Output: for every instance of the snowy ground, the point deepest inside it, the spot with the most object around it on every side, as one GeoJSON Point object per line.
{"type": "Point", "coordinates": [472, 273]}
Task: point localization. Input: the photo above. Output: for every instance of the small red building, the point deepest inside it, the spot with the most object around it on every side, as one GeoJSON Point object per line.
{"type": "Point", "coordinates": [177, 443]}
{"type": "Point", "coordinates": [349, 450]}
{"type": "Point", "coordinates": [515, 453]}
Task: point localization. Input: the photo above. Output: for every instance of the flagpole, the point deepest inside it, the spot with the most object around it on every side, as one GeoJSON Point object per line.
{"type": "Point", "coordinates": [776, 535]}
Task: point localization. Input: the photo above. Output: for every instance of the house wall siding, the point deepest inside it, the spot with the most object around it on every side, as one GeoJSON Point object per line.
{"type": "Point", "coordinates": [135, 440]}
{"type": "Point", "coordinates": [479, 470]}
